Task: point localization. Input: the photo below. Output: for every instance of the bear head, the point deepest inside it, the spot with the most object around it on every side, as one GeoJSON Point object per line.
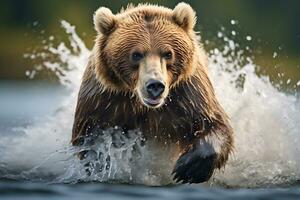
{"type": "Point", "coordinates": [146, 50]}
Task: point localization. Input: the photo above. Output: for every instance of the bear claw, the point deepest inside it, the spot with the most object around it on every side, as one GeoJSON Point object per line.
{"type": "Point", "coordinates": [191, 167]}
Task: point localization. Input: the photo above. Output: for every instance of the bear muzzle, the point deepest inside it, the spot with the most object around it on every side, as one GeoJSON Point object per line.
{"type": "Point", "coordinates": [152, 86]}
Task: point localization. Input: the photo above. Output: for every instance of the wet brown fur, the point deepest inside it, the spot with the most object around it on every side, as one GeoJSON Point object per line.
{"type": "Point", "coordinates": [106, 98]}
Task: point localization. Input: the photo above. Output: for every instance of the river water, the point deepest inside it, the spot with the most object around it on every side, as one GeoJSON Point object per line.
{"type": "Point", "coordinates": [37, 159]}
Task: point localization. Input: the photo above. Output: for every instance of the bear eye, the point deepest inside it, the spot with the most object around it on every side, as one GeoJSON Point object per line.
{"type": "Point", "coordinates": [167, 55]}
{"type": "Point", "coordinates": [137, 56]}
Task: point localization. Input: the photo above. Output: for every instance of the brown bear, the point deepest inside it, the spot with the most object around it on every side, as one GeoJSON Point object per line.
{"type": "Point", "coordinates": [148, 71]}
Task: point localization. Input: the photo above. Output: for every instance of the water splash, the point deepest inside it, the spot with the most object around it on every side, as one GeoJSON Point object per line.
{"type": "Point", "coordinates": [265, 120]}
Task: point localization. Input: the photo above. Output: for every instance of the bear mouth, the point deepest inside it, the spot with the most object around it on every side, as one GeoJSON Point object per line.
{"type": "Point", "coordinates": [152, 102]}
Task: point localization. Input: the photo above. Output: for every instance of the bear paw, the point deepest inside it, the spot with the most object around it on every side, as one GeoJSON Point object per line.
{"type": "Point", "coordinates": [194, 167]}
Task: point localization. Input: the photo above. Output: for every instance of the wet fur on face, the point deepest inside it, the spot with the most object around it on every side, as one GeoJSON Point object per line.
{"type": "Point", "coordinates": [154, 33]}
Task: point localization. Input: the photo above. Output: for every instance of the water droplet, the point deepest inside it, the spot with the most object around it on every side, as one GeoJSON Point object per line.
{"type": "Point", "coordinates": [220, 34]}
{"type": "Point", "coordinates": [231, 45]}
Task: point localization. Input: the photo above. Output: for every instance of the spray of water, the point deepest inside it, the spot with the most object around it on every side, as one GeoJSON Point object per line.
{"type": "Point", "coordinates": [266, 123]}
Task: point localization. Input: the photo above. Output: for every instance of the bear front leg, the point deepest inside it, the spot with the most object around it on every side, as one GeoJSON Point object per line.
{"type": "Point", "coordinates": [198, 162]}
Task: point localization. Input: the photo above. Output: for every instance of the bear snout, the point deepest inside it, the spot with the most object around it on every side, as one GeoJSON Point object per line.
{"type": "Point", "coordinates": [155, 88]}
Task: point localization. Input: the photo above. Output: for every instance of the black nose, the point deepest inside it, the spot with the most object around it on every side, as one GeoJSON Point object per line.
{"type": "Point", "coordinates": [155, 88]}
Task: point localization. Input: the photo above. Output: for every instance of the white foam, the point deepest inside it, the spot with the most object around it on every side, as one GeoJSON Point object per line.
{"type": "Point", "coordinates": [266, 124]}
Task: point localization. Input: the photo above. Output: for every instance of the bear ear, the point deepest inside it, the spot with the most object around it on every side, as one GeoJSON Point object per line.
{"type": "Point", "coordinates": [184, 16]}
{"type": "Point", "coordinates": [104, 20]}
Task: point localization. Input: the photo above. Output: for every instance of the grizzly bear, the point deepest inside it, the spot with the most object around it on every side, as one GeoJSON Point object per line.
{"type": "Point", "coordinates": [148, 71]}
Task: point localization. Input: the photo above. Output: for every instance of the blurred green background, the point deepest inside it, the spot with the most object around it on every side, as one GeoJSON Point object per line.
{"type": "Point", "coordinates": [273, 24]}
